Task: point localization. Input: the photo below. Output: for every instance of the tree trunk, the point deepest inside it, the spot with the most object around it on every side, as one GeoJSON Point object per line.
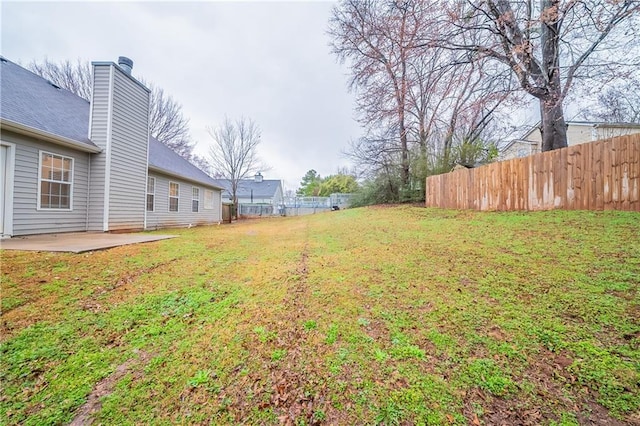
{"type": "Point", "coordinates": [423, 166]}
{"type": "Point", "coordinates": [404, 146]}
{"type": "Point", "coordinates": [234, 198]}
{"type": "Point", "coordinates": [448, 144]}
{"type": "Point", "coordinates": [554, 128]}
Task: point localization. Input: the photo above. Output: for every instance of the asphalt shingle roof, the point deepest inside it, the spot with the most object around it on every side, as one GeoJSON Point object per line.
{"type": "Point", "coordinates": [29, 99]}
{"type": "Point", "coordinates": [163, 158]}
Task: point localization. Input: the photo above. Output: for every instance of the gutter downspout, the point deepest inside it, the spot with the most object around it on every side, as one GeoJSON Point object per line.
{"type": "Point", "coordinates": [146, 181]}
{"type": "Point", "coordinates": [86, 220]}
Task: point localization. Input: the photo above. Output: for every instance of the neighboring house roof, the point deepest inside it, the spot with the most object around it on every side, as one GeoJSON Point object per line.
{"type": "Point", "coordinates": [32, 101]}
{"type": "Point", "coordinates": [603, 124]}
{"type": "Point", "coordinates": [265, 189]}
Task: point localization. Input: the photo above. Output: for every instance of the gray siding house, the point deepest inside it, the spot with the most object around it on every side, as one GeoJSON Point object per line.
{"type": "Point", "coordinates": [577, 132]}
{"type": "Point", "coordinates": [256, 191]}
{"type": "Point", "coordinates": [67, 164]}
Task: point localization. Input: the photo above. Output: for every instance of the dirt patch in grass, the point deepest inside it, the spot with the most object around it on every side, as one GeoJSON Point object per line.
{"type": "Point", "coordinates": [116, 290]}
{"type": "Point", "coordinates": [378, 331]}
{"type": "Point", "coordinates": [84, 415]}
{"type": "Point", "coordinates": [549, 373]}
{"type": "Point", "coordinates": [294, 389]}
{"type": "Point", "coordinates": [50, 281]}
{"type": "Point", "coordinates": [518, 410]}
{"type": "Point", "coordinates": [594, 414]}
{"type": "Point", "coordinates": [501, 412]}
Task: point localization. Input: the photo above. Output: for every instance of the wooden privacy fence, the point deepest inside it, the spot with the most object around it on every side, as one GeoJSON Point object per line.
{"type": "Point", "coordinates": [600, 175]}
{"type": "Point", "coordinates": [228, 211]}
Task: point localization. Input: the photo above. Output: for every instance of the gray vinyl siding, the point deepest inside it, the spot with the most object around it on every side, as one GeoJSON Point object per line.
{"type": "Point", "coordinates": [99, 128]}
{"type": "Point", "coordinates": [129, 145]}
{"type": "Point", "coordinates": [27, 219]}
{"type": "Point", "coordinates": [161, 217]}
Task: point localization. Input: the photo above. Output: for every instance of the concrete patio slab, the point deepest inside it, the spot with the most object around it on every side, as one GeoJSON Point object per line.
{"type": "Point", "coordinates": [77, 242]}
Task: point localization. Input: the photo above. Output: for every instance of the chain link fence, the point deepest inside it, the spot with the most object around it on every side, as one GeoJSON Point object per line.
{"type": "Point", "coordinates": [296, 206]}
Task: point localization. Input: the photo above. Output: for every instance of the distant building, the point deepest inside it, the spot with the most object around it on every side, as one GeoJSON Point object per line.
{"type": "Point", "coordinates": [256, 191]}
{"type": "Point", "coordinates": [577, 132]}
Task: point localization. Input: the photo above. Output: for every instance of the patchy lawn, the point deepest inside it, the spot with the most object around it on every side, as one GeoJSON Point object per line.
{"type": "Point", "coordinates": [395, 315]}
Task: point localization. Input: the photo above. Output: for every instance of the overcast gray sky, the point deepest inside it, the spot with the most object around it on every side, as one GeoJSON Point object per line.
{"type": "Point", "coordinates": [266, 60]}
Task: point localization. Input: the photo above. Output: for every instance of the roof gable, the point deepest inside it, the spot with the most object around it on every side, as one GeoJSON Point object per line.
{"type": "Point", "coordinates": [30, 100]}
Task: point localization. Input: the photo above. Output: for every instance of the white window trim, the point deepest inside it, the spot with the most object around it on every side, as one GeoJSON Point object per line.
{"type": "Point", "coordinates": [170, 197]}
{"type": "Point", "coordinates": [73, 164]}
{"type": "Point", "coordinates": [195, 199]}
{"type": "Point", "coordinates": [153, 207]}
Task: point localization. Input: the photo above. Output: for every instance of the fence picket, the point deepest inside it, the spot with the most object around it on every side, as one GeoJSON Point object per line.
{"type": "Point", "coordinates": [634, 176]}
{"type": "Point", "coordinates": [600, 175]}
{"type": "Point", "coordinates": [597, 176]}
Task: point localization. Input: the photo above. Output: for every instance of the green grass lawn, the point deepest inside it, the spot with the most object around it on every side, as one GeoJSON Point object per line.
{"type": "Point", "coordinates": [389, 315]}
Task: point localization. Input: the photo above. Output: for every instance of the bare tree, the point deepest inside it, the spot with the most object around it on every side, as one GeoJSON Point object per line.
{"type": "Point", "coordinates": [73, 76]}
{"type": "Point", "coordinates": [166, 121]}
{"type": "Point", "coordinates": [547, 44]}
{"type": "Point", "coordinates": [377, 157]}
{"type": "Point", "coordinates": [453, 100]}
{"type": "Point", "coordinates": [422, 93]}
{"type": "Point", "coordinates": [202, 163]}
{"type": "Point", "coordinates": [619, 102]}
{"type": "Point", "coordinates": [233, 151]}
{"type": "Point", "coordinates": [378, 39]}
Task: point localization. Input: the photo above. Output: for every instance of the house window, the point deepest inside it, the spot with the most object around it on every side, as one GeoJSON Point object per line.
{"type": "Point", "coordinates": [56, 177]}
{"type": "Point", "coordinates": [151, 193]}
{"type": "Point", "coordinates": [195, 199]}
{"type": "Point", "coordinates": [174, 196]}
{"type": "Point", "coordinates": [208, 199]}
